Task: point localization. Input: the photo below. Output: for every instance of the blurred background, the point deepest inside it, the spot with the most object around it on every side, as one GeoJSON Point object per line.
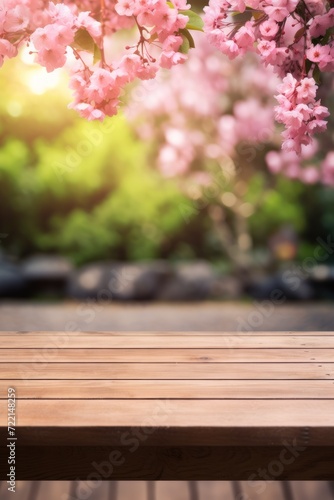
{"type": "Point", "coordinates": [172, 200]}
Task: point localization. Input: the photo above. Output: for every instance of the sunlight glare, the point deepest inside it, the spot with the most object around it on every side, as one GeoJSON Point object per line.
{"type": "Point", "coordinates": [37, 78]}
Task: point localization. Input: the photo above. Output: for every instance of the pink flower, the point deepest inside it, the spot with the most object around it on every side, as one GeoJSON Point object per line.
{"type": "Point", "coordinates": [310, 175]}
{"type": "Point", "coordinates": [169, 59]}
{"type": "Point", "coordinates": [230, 48]}
{"type": "Point", "coordinates": [293, 171]}
{"type": "Point", "coordinates": [245, 37]}
{"type": "Point", "coordinates": [88, 111]}
{"type": "Point", "coordinates": [146, 18]}
{"type": "Point", "coordinates": [274, 162]}
{"type": "Point", "coordinates": [316, 126]}
{"type": "Point", "coordinates": [125, 7]}
{"type": "Point", "coordinates": [238, 5]}
{"type": "Point", "coordinates": [172, 43]}
{"type": "Point", "coordinates": [299, 112]}
{"type": "Point", "coordinates": [131, 64]}
{"type": "Point", "coordinates": [51, 43]}
{"type": "Point", "coordinates": [51, 59]}
{"type": "Point", "coordinates": [266, 48]}
{"type": "Point", "coordinates": [306, 90]}
{"type": "Point", "coordinates": [16, 19]}
{"type": "Point", "coordinates": [269, 29]}
{"type": "Point", "coordinates": [7, 49]}
{"type": "Point", "coordinates": [319, 54]}
{"type": "Point", "coordinates": [51, 37]}
{"type": "Point", "coordinates": [147, 71]}
{"type": "Point", "coordinates": [61, 14]}
{"type": "Point", "coordinates": [288, 86]}
{"type": "Point", "coordinates": [319, 26]}
{"type": "Point", "coordinates": [316, 6]}
{"type": "Point", "coordinates": [320, 112]}
{"type": "Point", "coordinates": [277, 11]}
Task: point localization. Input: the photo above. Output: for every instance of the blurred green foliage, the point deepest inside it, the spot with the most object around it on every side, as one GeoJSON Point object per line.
{"type": "Point", "coordinates": [88, 195]}
{"type": "Point", "coordinates": [88, 191]}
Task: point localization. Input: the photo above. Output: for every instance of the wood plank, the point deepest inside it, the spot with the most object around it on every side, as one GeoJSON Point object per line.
{"type": "Point", "coordinates": [182, 463]}
{"type": "Point", "coordinates": [162, 371]}
{"type": "Point", "coordinates": [214, 414]}
{"type": "Point", "coordinates": [171, 389]}
{"type": "Point", "coordinates": [145, 435]}
{"type": "Point", "coordinates": [154, 341]}
{"type": "Point", "coordinates": [165, 355]}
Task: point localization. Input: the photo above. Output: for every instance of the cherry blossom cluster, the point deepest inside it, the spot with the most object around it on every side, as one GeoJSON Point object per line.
{"type": "Point", "coordinates": [209, 110]}
{"type": "Point", "coordinates": [299, 111]}
{"type": "Point", "coordinates": [295, 37]}
{"type": "Point", "coordinates": [79, 34]}
{"type": "Point", "coordinates": [303, 166]}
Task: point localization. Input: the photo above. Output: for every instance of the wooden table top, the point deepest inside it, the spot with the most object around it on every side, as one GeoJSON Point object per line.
{"type": "Point", "coordinates": [226, 389]}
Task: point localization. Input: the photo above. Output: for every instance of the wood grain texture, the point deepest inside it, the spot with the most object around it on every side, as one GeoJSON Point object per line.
{"type": "Point", "coordinates": [183, 355]}
{"type": "Point", "coordinates": [163, 371]}
{"type": "Point", "coordinates": [171, 389]}
{"type": "Point", "coordinates": [209, 414]}
{"type": "Point", "coordinates": [182, 463]}
{"type": "Point", "coordinates": [156, 341]}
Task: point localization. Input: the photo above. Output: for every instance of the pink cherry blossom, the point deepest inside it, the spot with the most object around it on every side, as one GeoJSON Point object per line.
{"type": "Point", "coordinates": [293, 37]}
{"type": "Point", "coordinates": [6, 50]}
{"type": "Point", "coordinates": [319, 54]}
{"type": "Point", "coordinates": [16, 19]}
{"type": "Point", "coordinates": [269, 29]}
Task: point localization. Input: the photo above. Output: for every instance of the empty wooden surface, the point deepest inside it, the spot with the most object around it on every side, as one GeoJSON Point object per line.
{"type": "Point", "coordinates": [197, 413]}
{"type": "Point", "coordinates": [47, 370]}
{"type": "Point", "coordinates": [168, 355]}
{"type": "Point", "coordinates": [164, 341]}
{"type": "Point", "coordinates": [184, 389]}
{"type": "Point", "coordinates": [177, 389]}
